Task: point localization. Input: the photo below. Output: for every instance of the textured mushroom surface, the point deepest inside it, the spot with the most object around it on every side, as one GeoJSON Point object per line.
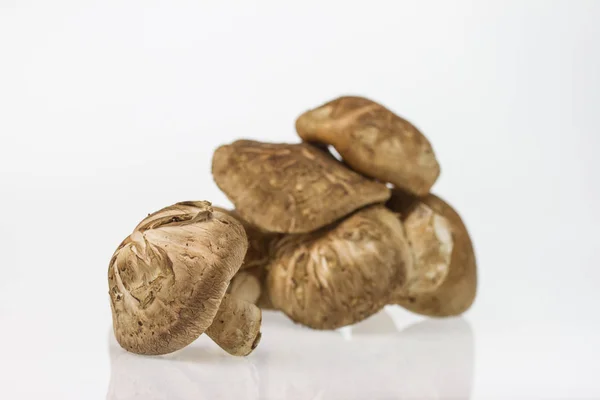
{"type": "Point", "coordinates": [340, 274]}
{"type": "Point", "coordinates": [249, 283]}
{"type": "Point", "coordinates": [443, 251]}
{"type": "Point", "coordinates": [290, 188]}
{"type": "Point", "coordinates": [430, 237]}
{"type": "Point", "coordinates": [167, 279]}
{"type": "Point", "coordinates": [259, 242]}
{"type": "Point", "coordinates": [374, 141]}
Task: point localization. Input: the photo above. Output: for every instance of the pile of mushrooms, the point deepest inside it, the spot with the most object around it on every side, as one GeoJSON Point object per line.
{"type": "Point", "coordinates": [327, 241]}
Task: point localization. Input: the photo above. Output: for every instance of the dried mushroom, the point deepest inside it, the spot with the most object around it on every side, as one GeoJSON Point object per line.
{"type": "Point", "coordinates": [374, 141]}
{"type": "Point", "coordinates": [340, 274]}
{"type": "Point", "coordinates": [444, 259]}
{"type": "Point", "coordinates": [167, 283]}
{"type": "Point", "coordinates": [290, 188]}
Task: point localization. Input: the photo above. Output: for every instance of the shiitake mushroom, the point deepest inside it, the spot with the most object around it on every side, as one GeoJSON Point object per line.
{"type": "Point", "coordinates": [167, 282]}
{"type": "Point", "coordinates": [342, 273]}
{"type": "Point", "coordinates": [373, 141]}
{"type": "Point", "coordinates": [290, 188]}
{"type": "Point", "coordinates": [443, 251]}
{"type": "Point", "coordinates": [310, 236]}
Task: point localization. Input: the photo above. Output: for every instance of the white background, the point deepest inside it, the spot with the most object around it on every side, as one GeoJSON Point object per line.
{"type": "Point", "coordinates": [110, 110]}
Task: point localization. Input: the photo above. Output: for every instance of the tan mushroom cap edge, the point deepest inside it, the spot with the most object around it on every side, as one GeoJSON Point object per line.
{"type": "Point", "coordinates": [453, 291]}
{"type": "Point", "coordinates": [341, 274]}
{"type": "Point", "coordinates": [249, 283]}
{"type": "Point", "coordinates": [290, 188]}
{"type": "Point", "coordinates": [167, 283]}
{"type": "Point", "coordinates": [374, 141]}
{"type": "Point", "coordinates": [259, 241]}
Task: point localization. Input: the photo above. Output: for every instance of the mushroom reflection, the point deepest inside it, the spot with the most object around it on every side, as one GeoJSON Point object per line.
{"type": "Point", "coordinates": [431, 359]}
{"type": "Point", "coordinates": [200, 371]}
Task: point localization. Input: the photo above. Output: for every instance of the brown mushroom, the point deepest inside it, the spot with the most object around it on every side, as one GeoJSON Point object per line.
{"type": "Point", "coordinates": [249, 283]}
{"type": "Point", "coordinates": [167, 283]}
{"type": "Point", "coordinates": [246, 286]}
{"type": "Point", "coordinates": [342, 273]}
{"type": "Point", "coordinates": [431, 245]}
{"type": "Point", "coordinates": [290, 188]}
{"type": "Point", "coordinates": [259, 242]}
{"type": "Point", "coordinates": [444, 261]}
{"type": "Point", "coordinates": [374, 141]}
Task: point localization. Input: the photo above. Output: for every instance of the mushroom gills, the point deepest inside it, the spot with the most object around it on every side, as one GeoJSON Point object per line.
{"type": "Point", "coordinates": [446, 280]}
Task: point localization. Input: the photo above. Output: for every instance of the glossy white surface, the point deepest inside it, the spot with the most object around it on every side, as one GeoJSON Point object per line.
{"type": "Point", "coordinates": [111, 109]}
{"type": "Point", "coordinates": [375, 359]}
{"type": "Point", "coordinates": [389, 356]}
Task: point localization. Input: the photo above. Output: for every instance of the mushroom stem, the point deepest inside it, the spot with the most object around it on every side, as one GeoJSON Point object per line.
{"type": "Point", "coordinates": [245, 286]}
{"type": "Point", "coordinates": [236, 327]}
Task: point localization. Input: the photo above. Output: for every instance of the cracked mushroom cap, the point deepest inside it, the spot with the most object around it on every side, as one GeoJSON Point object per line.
{"type": "Point", "coordinates": [290, 188]}
{"type": "Point", "coordinates": [374, 141]}
{"type": "Point", "coordinates": [342, 273]}
{"type": "Point", "coordinates": [167, 282]}
{"type": "Point", "coordinates": [445, 281]}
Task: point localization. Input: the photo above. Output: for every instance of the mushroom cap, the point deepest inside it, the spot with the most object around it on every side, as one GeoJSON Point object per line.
{"type": "Point", "coordinates": [431, 245]}
{"type": "Point", "coordinates": [290, 188]}
{"type": "Point", "coordinates": [374, 141]}
{"type": "Point", "coordinates": [342, 273]}
{"type": "Point", "coordinates": [259, 242]}
{"type": "Point", "coordinates": [249, 282]}
{"type": "Point", "coordinates": [168, 278]}
{"type": "Point", "coordinates": [455, 289]}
